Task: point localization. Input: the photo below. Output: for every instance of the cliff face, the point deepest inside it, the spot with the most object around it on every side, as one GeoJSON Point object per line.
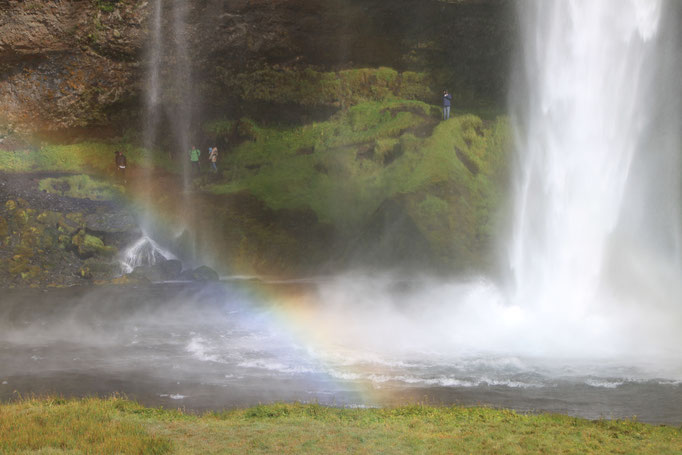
{"type": "Point", "coordinates": [64, 64]}
{"type": "Point", "coordinates": [80, 63]}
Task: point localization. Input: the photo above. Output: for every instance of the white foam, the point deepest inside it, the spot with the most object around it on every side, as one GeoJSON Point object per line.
{"type": "Point", "coordinates": [200, 350]}
{"type": "Point", "coordinates": [173, 396]}
{"type": "Point", "coordinates": [276, 366]}
{"type": "Point", "coordinates": [606, 384]}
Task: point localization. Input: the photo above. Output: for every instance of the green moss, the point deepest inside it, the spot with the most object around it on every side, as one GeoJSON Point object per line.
{"type": "Point", "coordinates": [308, 87]}
{"type": "Point", "coordinates": [20, 217]}
{"type": "Point", "coordinates": [221, 128]}
{"type": "Point", "coordinates": [107, 6]}
{"type": "Point", "coordinates": [91, 157]}
{"type": "Point", "coordinates": [346, 167]}
{"type": "Point", "coordinates": [309, 166]}
{"type": "Point", "coordinates": [82, 187]}
{"type": "Point", "coordinates": [89, 245]}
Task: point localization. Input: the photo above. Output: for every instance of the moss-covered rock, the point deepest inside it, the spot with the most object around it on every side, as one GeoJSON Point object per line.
{"type": "Point", "coordinates": [81, 186]}
{"type": "Point", "coordinates": [4, 228]}
{"type": "Point", "coordinates": [447, 176]}
{"type": "Point", "coordinates": [69, 224]}
{"type": "Point", "coordinates": [89, 245]}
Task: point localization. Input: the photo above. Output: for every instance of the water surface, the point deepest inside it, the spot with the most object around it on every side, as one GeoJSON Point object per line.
{"type": "Point", "coordinates": [217, 346]}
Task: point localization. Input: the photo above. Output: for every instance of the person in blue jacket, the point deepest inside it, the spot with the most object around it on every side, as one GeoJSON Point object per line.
{"type": "Point", "coordinates": [446, 104]}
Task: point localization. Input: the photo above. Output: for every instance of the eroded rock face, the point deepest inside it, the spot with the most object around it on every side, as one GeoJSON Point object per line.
{"type": "Point", "coordinates": [80, 63]}
{"type": "Point", "coordinates": [65, 64]}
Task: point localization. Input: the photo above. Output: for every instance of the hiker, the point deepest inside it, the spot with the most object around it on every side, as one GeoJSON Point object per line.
{"type": "Point", "coordinates": [121, 164]}
{"type": "Point", "coordinates": [213, 158]}
{"type": "Point", "coordinates": [446, 104]}
{"type": "Point", "coordinates": [194, 155]}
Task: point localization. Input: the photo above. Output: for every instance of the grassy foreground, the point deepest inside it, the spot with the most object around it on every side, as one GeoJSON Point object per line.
{"type": "Point", "coordinates": [113, 426]}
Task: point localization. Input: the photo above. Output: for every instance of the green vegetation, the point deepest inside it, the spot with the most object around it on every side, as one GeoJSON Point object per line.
{"type": "Point", "coordinates": [106, 6]}
{"type": "Point", "coordinates": [313, 88]}
{"type": "Point", "coordinates": [383, 144]}
{"type": "Point", "coordinates": [91, 157]}
{"type": "Point", "coordinates": [449, 174]}
{"type": "Point", "coordinates": [40, 247]}
{"type": "Point", "coordinates": [68, 427]}
{"type": "Point", "coordinates": [81, 187]}
{"type": "Point", "coordinates": [113, 426]}
{"type": "Point", "coordinates": [89, 245]}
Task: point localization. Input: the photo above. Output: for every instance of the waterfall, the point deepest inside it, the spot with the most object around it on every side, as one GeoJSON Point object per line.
{"type": "Point", "coordinates": [587, 105]}
{"type": "Point", "coordinates": [169, 94]}
{"type": "Point", "coordinates": [167, 114]}
{"type": "Point", "coordinates": [144, 252]}
{"type": "Point", "coordinates": [153, 84]}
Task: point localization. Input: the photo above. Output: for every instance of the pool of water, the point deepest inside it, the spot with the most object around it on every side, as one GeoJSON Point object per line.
{"type": "Point", "coordinates": [242, 343]}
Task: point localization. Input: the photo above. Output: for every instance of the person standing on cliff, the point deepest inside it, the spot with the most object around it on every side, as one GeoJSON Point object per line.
{"type": "Point", "coordinates": [447, 98]}
{"type": "Point", "coordinates": [121, 164]}
{"type": "Point", "coordinates": [213, 158]}
{"type": "Point", "coordinates": [194, 155]}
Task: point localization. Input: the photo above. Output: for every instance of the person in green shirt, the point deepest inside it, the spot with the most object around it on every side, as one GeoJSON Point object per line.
{"type": "Point", "coordinates": [194, 159]}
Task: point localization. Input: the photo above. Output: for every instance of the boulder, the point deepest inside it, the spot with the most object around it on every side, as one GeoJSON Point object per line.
{"type": "Point", "coordinates": [68, 225]}
{"type": "Point", "coordinates": [204, 273]}
{"type": "Point", "coordinates": [161, 271]}
{"type": "Point", "coordinates": [88, 245]}
{"type": "Point", "coordinates": [147, 272]}
{"type": "Point", "coordinates": [171, 269]}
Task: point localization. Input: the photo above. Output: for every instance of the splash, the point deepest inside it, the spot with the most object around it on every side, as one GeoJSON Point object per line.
{"type": "Point", "coordinates": [595, 275]}
{"type": "Point", "coordinates": [144, 252]}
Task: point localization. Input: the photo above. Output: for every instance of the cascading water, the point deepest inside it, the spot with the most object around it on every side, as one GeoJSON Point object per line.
{"type": "Point", "coordinates": [169, 79]}
{"type": "Point", "coordinates": [594, 246]}
{"type": "Point", "coordinates": [168, 106]}
{"type": "Point", "coordinates": [585, 110]}
{"type": "Point", "coordinates": [153, 85]}
{"type": "Point", "coordinates": [144, 252]}
{"type": "Point", "coordinates": [181, 86]}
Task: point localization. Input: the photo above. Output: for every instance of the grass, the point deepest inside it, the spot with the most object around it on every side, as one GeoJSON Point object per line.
{"type": "Point", "coordinates": [56, 426]}
{"type": "Point", "coordinates": [312, 165]}
{"type": "Point", "coordinates": [81, 187]}
{"type": "Point", "coordinates": [91, 157]}
{"type": "Point", "coordinates": [450, 174]}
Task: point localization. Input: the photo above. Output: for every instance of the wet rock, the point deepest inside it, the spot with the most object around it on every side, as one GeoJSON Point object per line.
{"type": "Point", "coordinates": [161, 271]}
{"type": "Point", "coordinates": [148, 272]}
{"type": "Point", "coordinates": [88, 245]}
{"type": "Point", "coordinates": [110, 223]}
{"type": "Point", "coordinates": [171, 268]}
{"type": "Point", "coordinates": [204, 273]}
{"type": "Point", "coordinates": [390, 236]}
{"type": "Point", "coordinates": [101, 269]}
{"type": "Point", "coordinates": [68, 226]}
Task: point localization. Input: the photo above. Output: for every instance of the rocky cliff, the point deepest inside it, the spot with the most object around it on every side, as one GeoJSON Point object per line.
{"type": "Point", "coordinates": [80, 63]}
